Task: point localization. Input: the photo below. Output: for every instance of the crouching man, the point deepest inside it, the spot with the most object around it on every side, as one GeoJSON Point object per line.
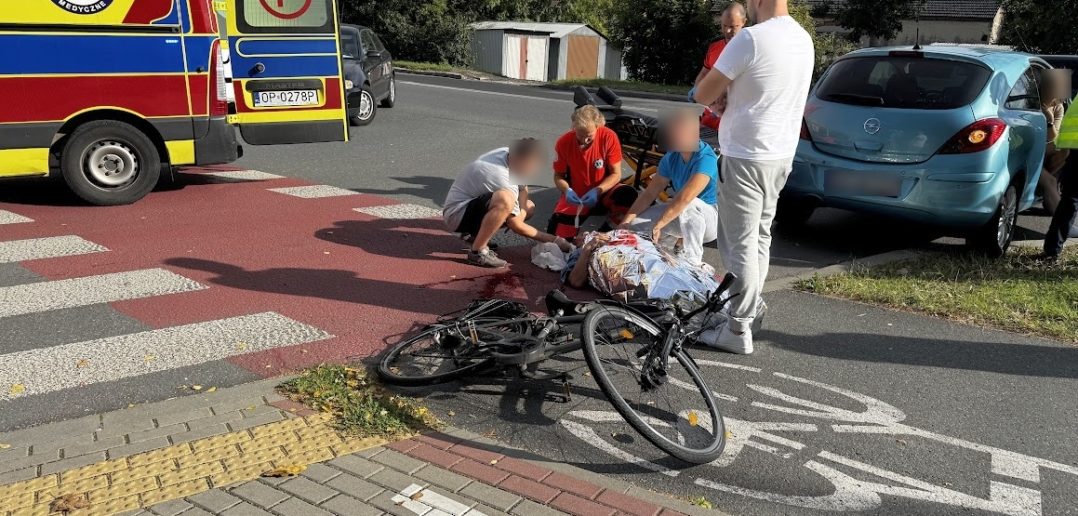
{"type": "Point", "coordinates": [492, 193]}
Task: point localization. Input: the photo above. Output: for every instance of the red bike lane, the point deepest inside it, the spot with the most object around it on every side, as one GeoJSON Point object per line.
{"type": "Point", "coordinates": [365, 279]}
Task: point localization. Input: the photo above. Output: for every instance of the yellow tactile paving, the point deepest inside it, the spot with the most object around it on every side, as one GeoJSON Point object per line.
{"type": "Point", "coordinates": [183, 470]}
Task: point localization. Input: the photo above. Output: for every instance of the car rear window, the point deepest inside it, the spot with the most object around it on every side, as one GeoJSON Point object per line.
{"type": "Point", "coordinates": [903, 82]}
{"type": "Point", "coordinates": [272, 16]}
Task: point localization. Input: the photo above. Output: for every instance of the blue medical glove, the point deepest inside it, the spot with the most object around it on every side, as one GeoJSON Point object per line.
{"type": "Point", "coordinates": [692, 95]}
{"type": "Point", "coordinates": [572, 198]}
{"type": "Point", "coordinates": [591, 198]}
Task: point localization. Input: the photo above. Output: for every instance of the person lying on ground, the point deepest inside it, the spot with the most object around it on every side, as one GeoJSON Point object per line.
{"type": "Point", "coordinates": [626, 266]}
{"type": "Point", "coordinates": [487, 196]}
{"type": "Point", "coordinates": [587, 171]}
{"type": "Point", "coordinates": [691, 168]}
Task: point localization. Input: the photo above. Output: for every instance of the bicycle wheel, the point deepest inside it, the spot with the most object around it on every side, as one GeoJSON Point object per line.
{"type": "Point", "coordinates": [678, 414]}
{"type": "Point", "coordinates": [442, 353]}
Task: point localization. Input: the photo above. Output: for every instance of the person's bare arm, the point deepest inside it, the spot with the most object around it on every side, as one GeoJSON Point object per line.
{"type": "Point", "coordinates": [560, 182]}
{"type": "Point", "coordinates": [612, 178]}
{"type": "Point", "coordinates": [578, 277]}
{"type": "Point", "coordinates": [517, 225]}
{"type": "Point", "coordinates": [690, 191]}
{"type": "Point", "coordinates": [700, 76]}
{"type": "Point", "coordinates": [644, 201]}
{"type": "Point", "coordinates": [712, 87]}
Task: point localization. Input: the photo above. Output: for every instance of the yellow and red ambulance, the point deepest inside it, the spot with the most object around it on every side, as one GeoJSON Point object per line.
{"type": "Point", "coordinates": [111, 94]}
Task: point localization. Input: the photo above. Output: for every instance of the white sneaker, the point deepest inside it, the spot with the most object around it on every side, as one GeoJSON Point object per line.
{"type": "Point", "coordinates": [726, 340]}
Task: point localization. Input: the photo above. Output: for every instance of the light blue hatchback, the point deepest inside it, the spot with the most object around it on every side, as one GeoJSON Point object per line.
{"type": "Point", "coordinates": [943, 135]}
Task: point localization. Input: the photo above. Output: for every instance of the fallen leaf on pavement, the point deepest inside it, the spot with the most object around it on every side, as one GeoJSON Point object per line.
{"type": "Point", "coordinates": [212, 389]}
{"type": "Point", "coordinates": [17, 389]}
{"type": "Point", "coordinates": [451, 413]}
{"type": "Point", "coordinates": [241, 346]}
{"type": "Point", "coordinates": [4, 446]}
{"type": "Point", "coordinates": [149, 358]}
{"type": "Point", "coordinates": [287, 470]}
{"type": "Point", "coordinates": [196, 387]}
{"type": "Point", "coordinates": [69, 502]}
{"type": "Point", "coordinates": [82, 363]}
{"type": "Point", "coordinates": [416, 495]}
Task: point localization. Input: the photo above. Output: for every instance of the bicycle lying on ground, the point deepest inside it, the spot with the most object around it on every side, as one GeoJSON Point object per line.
{"type": "Point", "coordinates": [636, 353]}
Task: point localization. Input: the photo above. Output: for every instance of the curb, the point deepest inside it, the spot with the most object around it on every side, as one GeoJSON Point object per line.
{"type": "Point", "coordinates": [449, 75]}
{"type": "Point", "coordinates": [628, 93]}
{"type": "Point", "coordinates": [788, 283]}
{"type": "Point", "coordinates": [604, 481]}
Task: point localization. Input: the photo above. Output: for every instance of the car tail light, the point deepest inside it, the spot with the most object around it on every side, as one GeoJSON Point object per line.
{"type": "Point", "coordinates": [218, 83]}
{"type": "Point", "coordinates": [805, 134]}
{"type": "Point", "coordinates": [980, 135]}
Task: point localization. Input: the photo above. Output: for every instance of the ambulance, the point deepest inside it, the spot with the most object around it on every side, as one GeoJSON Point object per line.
{"type": "Point", "coordinates": [112, 95]}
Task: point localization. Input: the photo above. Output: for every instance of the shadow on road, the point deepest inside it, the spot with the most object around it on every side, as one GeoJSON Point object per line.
{"type": "Point", "coordinates": [1016, 359]}
{"type": "Point", "coordinates": [431, 188]}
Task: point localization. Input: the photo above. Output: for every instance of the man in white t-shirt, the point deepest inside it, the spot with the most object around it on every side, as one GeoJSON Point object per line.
{"type": "Point", "coordinates": [487, 195]}
{"type": "Point", "coordinates": [764, 73]}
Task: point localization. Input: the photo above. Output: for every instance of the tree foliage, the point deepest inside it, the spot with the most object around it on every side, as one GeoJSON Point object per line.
{"type": "Point", "coordinates": [1041, 27]}
{"type": "Point", "coordinates": [664, 40]}
{"type": "Point", "coordinates": [828, 46]}
{"type": "Point", "coordinates": [874, 18]}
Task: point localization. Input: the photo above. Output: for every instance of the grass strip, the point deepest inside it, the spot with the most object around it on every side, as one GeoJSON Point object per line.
{"type": "Point", "coordinates": [1016, 293]}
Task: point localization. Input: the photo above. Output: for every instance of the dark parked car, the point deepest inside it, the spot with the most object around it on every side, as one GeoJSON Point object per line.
{"type": "Point", "coordinates": [370, 79]}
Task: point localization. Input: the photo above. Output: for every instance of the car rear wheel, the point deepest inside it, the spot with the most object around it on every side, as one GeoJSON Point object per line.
{"type": "Point", "coordinates": [368, 108]}
{"type": "Point", "coordinates": [994, 239]}
{"type": "Point", "coordinates": [108, 163]}
{"type": "Point", "coordinates": [391, 99]}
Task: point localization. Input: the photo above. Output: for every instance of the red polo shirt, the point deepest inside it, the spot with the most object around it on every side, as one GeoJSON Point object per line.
{"type": "Point", "coordinates": [586, 168]}
{"type": "Point", "coordinates": [713, 51]}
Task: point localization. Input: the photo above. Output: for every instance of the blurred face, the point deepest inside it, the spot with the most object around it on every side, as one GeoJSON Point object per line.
{"type": "Point", "coordinates": [525, 166]}
{"type": "Point", "coordinates": [585, 135]}
{"type": "Point", "coordinates": [683, 133]}
{"type": "Point", "coordinates": [731, 23]}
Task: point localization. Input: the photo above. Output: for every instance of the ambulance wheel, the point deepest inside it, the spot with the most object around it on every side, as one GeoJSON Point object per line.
{"type": "Point", "coordinates": [108, 163]}
{"type": "Point", "coordinates": [368, 108]}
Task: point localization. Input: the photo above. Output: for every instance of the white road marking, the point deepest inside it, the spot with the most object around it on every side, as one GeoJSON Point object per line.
{"type": "Point", "coordinates": [433, 504]}
{"type": "Point", "coordinates": [401, 212]}
{"type": "Point", "coordinates": [7, 217]}
{"type": "Point", "coordinates": [588, 435]}
{"type": "Point", "coordinates": [70, 293]}
{"type": "Point", "coordinates": [567, 98]}
{"type": "Point", "coordinates": [314, 191]}
{"type": "Point", "coordinates": [15, 251]}
{"type": "Point", "coordinates": [237, 176]}
{"type": "Point", "coordinates": [61, 367]}
{"type": "Point", "coordinates": [728, 365]}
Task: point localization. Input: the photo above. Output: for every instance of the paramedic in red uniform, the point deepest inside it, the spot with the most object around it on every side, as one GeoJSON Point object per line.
{"type": "Point", "coordinates": [587, 170]}
{"type": "Point", "coordinates": [731, 17]}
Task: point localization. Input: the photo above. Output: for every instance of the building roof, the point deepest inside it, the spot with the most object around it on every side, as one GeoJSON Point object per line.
{"type": "Point", "coordinates": [947, 9]}
{"type": "Point", "coordinates": [556, 30]}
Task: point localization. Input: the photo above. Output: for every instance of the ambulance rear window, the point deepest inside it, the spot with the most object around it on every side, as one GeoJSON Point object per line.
{"type": "Point", "coordinates": [307, 16]}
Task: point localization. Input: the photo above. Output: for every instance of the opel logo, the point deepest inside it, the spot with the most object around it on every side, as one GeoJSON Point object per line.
{"type": "Point", "coordinates": [872, 125]}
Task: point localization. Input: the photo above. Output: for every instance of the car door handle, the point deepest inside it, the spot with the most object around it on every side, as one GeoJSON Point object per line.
{"type": "Point", "coordinates": [868, 145]}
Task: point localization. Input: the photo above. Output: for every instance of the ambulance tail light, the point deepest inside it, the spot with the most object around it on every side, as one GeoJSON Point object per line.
{"type": "Point", "coordinates": [218, 82]}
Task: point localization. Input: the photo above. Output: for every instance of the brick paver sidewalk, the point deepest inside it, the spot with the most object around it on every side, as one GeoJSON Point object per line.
{"type": "Point", "coordinates": [205, 454]}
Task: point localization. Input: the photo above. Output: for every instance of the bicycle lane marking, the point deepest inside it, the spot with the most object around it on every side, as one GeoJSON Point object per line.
{"type": "Point", "coordinates": [849, 493]}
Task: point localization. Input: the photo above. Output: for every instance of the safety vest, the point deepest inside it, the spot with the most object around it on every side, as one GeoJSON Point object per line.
{"type": "Point", "coordinates": [1068, 134]}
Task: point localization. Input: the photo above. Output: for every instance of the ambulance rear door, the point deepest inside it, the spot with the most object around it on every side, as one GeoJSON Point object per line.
{"type": "Point", "coordinates": [287, 71]}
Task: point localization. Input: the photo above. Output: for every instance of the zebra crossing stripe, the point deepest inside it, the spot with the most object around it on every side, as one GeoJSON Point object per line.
{"type": "Point", "coordinates": [7, 217]}
{"type": "Point", "coordinates": [70, 293]}
{"type": "Point", "coordinates": [314, 191]}
{"type": "Point", "coordinates": [239, 176]}
{"type": "Point", "coordinates": [15, 251]}
{"type": "Point", "coordinates": [400, 212]}
{"type": "Point", "coordinates": [51, 369]}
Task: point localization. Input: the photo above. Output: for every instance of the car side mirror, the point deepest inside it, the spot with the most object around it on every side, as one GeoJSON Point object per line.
{"type": "Point", "coordinates": [374, 54]}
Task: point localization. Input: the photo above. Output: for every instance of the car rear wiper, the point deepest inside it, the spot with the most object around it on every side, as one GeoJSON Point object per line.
{"type": "Point", "coordinates": [853, 98]}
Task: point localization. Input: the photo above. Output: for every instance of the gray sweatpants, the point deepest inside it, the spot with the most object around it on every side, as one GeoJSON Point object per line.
{"type": "Point", "coordinates": [696, 226]}
{"type": "Point", "coordinates": [748, 197]}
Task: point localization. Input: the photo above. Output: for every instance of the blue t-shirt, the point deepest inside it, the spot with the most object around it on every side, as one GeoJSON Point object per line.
{"type": "Point", "coordinates": [679, 172]}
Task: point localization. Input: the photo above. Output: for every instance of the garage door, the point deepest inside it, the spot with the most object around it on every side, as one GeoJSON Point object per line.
{"type": "Point", "coordinates": [583, 57]}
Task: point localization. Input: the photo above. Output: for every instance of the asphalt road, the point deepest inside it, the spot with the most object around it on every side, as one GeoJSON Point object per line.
{"type": "Point", "coordinates": [843, 408]}
{"type": "Point", "coordinates": [412, 153]}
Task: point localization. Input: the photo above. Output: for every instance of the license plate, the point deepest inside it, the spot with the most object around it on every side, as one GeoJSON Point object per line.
{"type": "Point", "coordinates": [862, 183]}
{"type": "Point", "coordinates": [286, 98]}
